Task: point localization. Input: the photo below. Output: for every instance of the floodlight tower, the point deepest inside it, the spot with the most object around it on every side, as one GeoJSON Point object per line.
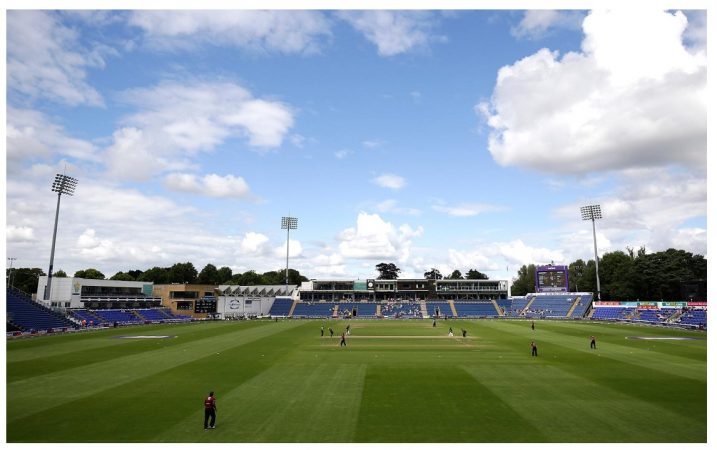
{"type": "Point", "coordinates": [62, 185]}
{"type": "Point", "coordinates": [288, 223]}
{"type": "Point", "coordinates": [9, 277]}
{"type": "Point", "coordinates": [592, 212]}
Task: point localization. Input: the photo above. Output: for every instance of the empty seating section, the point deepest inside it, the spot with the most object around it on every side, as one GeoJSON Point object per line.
{"type": "Point", "coordinates": [506, 304]}
{"type": "Point", "coordinates": [402, 310]}
{"type": "Point", "coordinates": [281, 307]}
{"type": "Point", "coordinates": [313, 309]}
{"type": "Point", "coordinates": [28, 315]}
{"type": "Point", "coordinates": [612, 313]}
{"type": "Point", "coordinates": [362, 309]}
{"type": "Point", "coordinates": [479, 309]}
{"type": "Point", "coordinates": [444, 308]}
{"type": "Point", "coordinates": [517, 306]}
{"type": "Point", "coordinates": [550, 306]}
{"type": "Point", "coordinates": [114, 315]}
{"type": "Point", "coordinates": [694, 317]}
{"type": "Point", "coordinates": [87, 316]}
{"type": "Point", "coordinates": [153, 315]}
{"type": "Point", "coordinates": [655, 315]}
{"type": "Point", "coordinates": [582, 307]}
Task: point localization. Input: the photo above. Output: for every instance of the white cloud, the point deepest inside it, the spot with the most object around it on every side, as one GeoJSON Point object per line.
{"type": "Point", "coordinates": [391, 206]}
{"type": "Point", "coordinates": [629, 99]}
{"type": "Point", "coordinates": [255, 244]}
{"type": "Point", "coordinates": [394, 32]}
{"type": "Point", "coordinates": [266, 31]}
{"type": "Point", "coordinates": [650, 208]}
{"type": "Point", "coordinates": [495, 255]}
{"type": "Point", "coordinates": [32, 136]}
{"type": "Point", "coordinates": [373, 143]}
{"type": "Point", "coordinates": [390, 181]}
{"type": "Point", "coordinates": [295, 249]}
{"type": "Point", "coordinates": [211, 185]}
{"type": "Point", "coordinates": [328, 265]}
{"type": "Point", "coordinates": [373, 238]}
{"type": "Point", "coordinates": [536, 24]}
{"type": "Point", "coordinates": [341, 154]}
{"type": "Point", "coordinates": [176, 121]}
{"type": "Point", "coordinates": [45, 60]}
{"type": "Point", "coordinates": [19, 234]}
{"type": "Point", "coordinates": [466, 209]}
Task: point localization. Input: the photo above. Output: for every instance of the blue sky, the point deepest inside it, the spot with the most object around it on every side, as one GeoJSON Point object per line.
{"type": "Point", "coordinates": [456, 140]}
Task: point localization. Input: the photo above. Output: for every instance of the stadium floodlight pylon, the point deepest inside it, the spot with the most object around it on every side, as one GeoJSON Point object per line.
{"type": "Point", "coordinates": [62, 185]}
{"type": "Point", "coordinates": [288, 223]}
{"type": "Point", "coordinates": [593, 213]}
{"type": "Point", "coordinates": [9, 276]}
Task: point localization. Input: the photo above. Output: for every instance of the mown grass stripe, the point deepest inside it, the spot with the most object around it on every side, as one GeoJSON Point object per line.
{"type": "Point", "coordinates": [67, 385]}
{"type": "Point", "coordinates": [547, 338]}
{"type": "Point", "coordinates": [554, 401]}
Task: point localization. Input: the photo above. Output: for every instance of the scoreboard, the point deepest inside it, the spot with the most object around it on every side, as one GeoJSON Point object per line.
{"type": "Point", "coordinates": [551, 278]}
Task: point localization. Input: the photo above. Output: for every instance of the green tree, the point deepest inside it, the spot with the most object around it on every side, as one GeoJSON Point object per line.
{"type": "Point", "coordinates": [25, 279]}
{"type": "Point", "coordinates": [387, 271]}
{"type": "Point", "coordinates": [617, 276]}
{"type": "Point", "coordinates": [135, 274]}
{"type": "Point", "coordinates": [525, 282]}
{"type": "Point", "coordinates": [476, 275]}
{"type": "Point", "coordinates": [183, 273]}
{"type": "Point", "coordinates": [208, 275]}
{"type": "Point", "coordinates": [456, 275]}
{"type": "Point", "coordinates": [121, 276]}
{"type": "Point", "coordinates": [90, 274]}
{"type": "Point", "coordinates": [433, 274]}
{"type": "Point", "coordinates": [157, 275]}
{"type": "Point", "coordinates": [248, 278]}
{"type": "Point", "coordinates": [60, 274]}
{"type": "Point", "coordinates": [576, 270]}
{"type": "Point", "coordinates": [224, 274]}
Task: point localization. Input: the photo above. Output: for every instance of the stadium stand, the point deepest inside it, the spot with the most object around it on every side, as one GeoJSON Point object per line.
{"type": "Point", "coordinates": [120, 316]}
{"type": "Point", "coordinates": [582, 307]}
{"type": "Point", "coordinates": [550, 306]}
{"type": "Point", "coordinates": [281, 307]}
{"type": "Point", "coordinates": [695, 318]}
{"type": "Point", "coordinates": [475, 309]}
{"type": "Point", "coordinates": [87, 316]}
{"type": "Point", "coordinates": [443, 308]}
{"type": "Point", "coordinates": [314, 309]}
{"type": "Point", "coordinates": [517, 306]}
{"type": "Point", "coordinates": [410, 310]}
{"type": "Point", "coordinates": [27, 315]}
{"type": "Point", "coordinates": [362, 309]}
{"type": "Point", "coordinates": [613, 313]}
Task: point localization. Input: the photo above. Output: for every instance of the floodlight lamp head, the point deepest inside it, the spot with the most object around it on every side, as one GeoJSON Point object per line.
{"type": "Point", "coordinates": [64, 184]}
{"type": "Point", "coordinates": [591, 212]}
{"type": "Point", "coordinates": [290, 223]}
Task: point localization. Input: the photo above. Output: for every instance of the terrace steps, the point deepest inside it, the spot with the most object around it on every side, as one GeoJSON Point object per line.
{"type": "Point", "coordinates": [527, 305]}
{"type": "Point", "coordinates": [453, 308]}
{"type": "Point", "coordinates": [424, 310]}
{"type": "Point", "coordinates": [497, 308]}
{"type": "Point", "coordinates": [378, 310]}
{"type": "Point", "coordinates": [291, 310]}
{"type": "Point", "coordinates": [572, 308]}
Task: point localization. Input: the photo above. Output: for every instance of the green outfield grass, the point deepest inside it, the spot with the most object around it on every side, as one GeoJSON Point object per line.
{"type": "Point", "coordinates": [396, 381]}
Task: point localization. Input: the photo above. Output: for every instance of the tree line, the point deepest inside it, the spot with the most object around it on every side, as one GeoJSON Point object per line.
{"type": "Point", "coordinates": [627, 276]}
{"type": "Point", "coordinates": [389, 271]}
{"type": "Point", "coordinates": [26, 279]}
